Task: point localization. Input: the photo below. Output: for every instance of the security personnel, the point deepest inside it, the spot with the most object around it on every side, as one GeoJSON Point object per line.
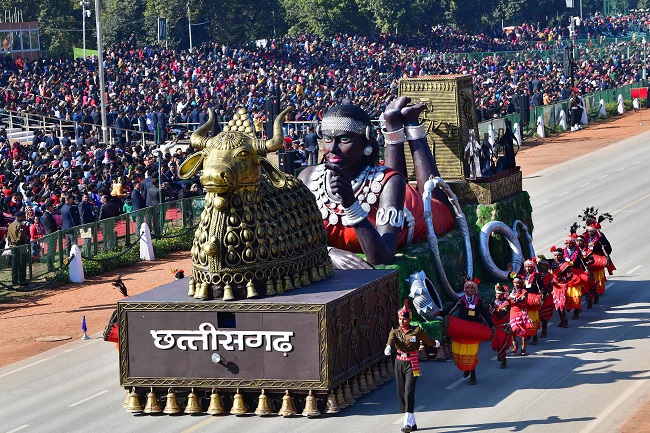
{"type": "Point", "coordinates": [16, 237]}
{"type": "Point", "coordinates": [406, 339]}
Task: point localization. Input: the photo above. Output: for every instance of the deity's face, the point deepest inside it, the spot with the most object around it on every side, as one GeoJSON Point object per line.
{"type": "Point", "coordinates": [557, 257]}
{"type": "Point", "coordinates": [529, 268]}
{"type": "Point", "coordinates": [345, 149]}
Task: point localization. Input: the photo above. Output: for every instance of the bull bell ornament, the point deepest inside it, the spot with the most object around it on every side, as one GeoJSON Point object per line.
{"type": "Point", "coordinates": [261, 231]}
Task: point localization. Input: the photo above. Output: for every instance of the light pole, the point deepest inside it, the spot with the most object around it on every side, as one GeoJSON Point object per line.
{"type": "Point", "coordinates": [645, 60]}
{"type": "Point", "coordinates": [100, 61]}
{"type": "Point", "coordinates": [85, 12]}
{"type": "Point", "coordinates": [570, 4]}
{"type": "Point", "coordinates": [189, 24]}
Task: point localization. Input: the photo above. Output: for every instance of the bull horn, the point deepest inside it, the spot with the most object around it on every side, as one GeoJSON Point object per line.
{"type": "Point", "coordinates": [276, 141]}
{"type": "Point", "coordinates": [199, 138]}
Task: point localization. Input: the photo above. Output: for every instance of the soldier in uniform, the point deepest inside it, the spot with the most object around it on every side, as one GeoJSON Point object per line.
{"type": "Point", "coordinates": [406, 339]}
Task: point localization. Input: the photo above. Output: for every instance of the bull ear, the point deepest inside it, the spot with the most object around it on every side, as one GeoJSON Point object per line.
{"type": "Point", "coordinates": [276, 176]}
{"type": "Point", "coordinates": [190, 166]}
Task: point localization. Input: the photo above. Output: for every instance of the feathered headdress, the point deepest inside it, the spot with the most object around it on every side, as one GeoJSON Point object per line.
{"type": "Point", "coordinates": [590, 216]}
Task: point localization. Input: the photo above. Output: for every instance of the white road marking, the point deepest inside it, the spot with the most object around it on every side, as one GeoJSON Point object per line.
{"type": "Point", "coordinates": [18, 428]}
{"type": "Point", "coordinates": [401, 418]}
{"type": "Point", "coordinates": [564, 193]}
{"type": "Point", "coordinates": [24, 367]}
{"type": "Point", "coordinates": [541, 203]}
{"type": "Point", "coordinates": [201, 425]}
{"type": "Point", "coordinates": [609, 285]}
{"type": "Point", "coordinates": [631, 204]}
{"type": "Point", "coordinates": [609, 409]}
{"type": "Point", "coordinates": [633, 270]}
{"type": "Point", "coordinates": [638, 162]}
{"type": "Point", "coordinates": [603, 176]}
{"type": "Point", "coordinates": [621, 169]}
{"type": "Point", "coordinates": [455, 384]}
{"type": "Point", "coordinates": [584, 184]}
{"type": "Point", "coordinates": [88, 398]}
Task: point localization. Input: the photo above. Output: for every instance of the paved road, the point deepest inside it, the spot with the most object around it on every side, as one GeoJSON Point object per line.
{"type": "Point", "coordinates": [587, 378]}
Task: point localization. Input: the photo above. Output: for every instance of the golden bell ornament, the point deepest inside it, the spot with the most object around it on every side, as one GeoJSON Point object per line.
{"type": "Point", "coordinates": [250, 290]}
{"type": "Point", "coordinates": [238, 406]}
{"type": "Point", "coordinates": [263, 406]}
{"type": "Point", "coordinates": [354, 387]}
{"type": "Point", "coordinates": [171, 406]}
{"type": "Point", "coordinates": [278, 286]}
{"type": "Point", "coordinates": [376, 377]}
{"type": "Point", "coordinates": [191, 288]}
{"type": "Point", "coordinates": [363, 386]}
{"type": "Point", "coordinates": [340, 400]}
{"type": "Point", "coordinates": [313, 275]}
{"type": "Point", "coordinates": [270, 291]}
{"type": "Point", "coordinates": [311, 406]}
{"type": "Point", "coordinates": [134, 405]}
{"type": "Point", "coordinates": [288, 285]}
{"type": "Point", "coordinates": [296, 281]}
{"type": "Point", "coordinates": [287, 409]}
{"type": "Point", "coordinates": [193, 405]}
{"type": "Point", "coordinates": [347, 394]}
{"type": "Point", "coordinates": [198, 290]}
{"type": "Point", "coordinates": [304, 278]}
{"type": "Point", "coordinates": [331, 406]}
{"type": "Point", "coordinates": [383, 373]}
{"type": "Point", "coordinates": [369, 382]}
{"type": "Point", "coordinates": [152, 405]}
{"type": "Point", "coordinates": [126, 400]}
{"type": "Point", "coordinates": [216, 407]}
{"type": "Point", "coordinates": [227, 293]}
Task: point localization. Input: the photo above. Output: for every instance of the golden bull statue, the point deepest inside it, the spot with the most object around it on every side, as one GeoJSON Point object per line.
{"type": "Point", "coordinates": [261, 232]}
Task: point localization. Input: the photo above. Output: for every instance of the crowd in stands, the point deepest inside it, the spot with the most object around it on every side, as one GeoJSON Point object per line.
{"type": "Point", "coordinates": [149, 88]}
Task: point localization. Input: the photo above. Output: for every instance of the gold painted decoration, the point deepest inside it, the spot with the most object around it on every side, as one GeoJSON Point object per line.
{"type": "Point", "coordinates": [260, 231]}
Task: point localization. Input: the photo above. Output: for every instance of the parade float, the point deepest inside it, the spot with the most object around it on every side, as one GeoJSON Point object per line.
{"type": "Point", "coordinates": [264, 324]}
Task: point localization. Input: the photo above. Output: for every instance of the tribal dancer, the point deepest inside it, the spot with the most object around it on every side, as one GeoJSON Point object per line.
{"type": "Point", "coordinates": [546, 311]}
{"type": "Point", "coordinates": [602, 251]}
{"type": "Point", "coordinates": [500, 309]}
{"type": "Point", "coordinates": [470, 308]}
{"type": "Point", "coordinates": [519, 319]}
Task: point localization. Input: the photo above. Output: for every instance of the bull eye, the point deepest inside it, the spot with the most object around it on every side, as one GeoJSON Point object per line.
{"type": "Point", "coordinates": [243, 154]}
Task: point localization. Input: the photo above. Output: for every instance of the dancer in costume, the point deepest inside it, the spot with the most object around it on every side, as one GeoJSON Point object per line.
{"type": "Point", "coordinates": [546, 311]}
{"type": "Point", "coordinates": [588, 263]}
{"type": "Point", "coordinates": [500, 310]}
{"type": "Point", "coordinates": [470, 308]}
{"type": "Point", "coordinates": [602, 250]}
{"type": "Point", "coordinates": [406, 339]}
{"type": "Point", "coordinates": [368, 208]}
{"type": "Point", "coordinates": [559, 290]}
{"type": "Point", "coordinates": [519, 320]}
{"type": "Point", "coordinates": [535, 297]}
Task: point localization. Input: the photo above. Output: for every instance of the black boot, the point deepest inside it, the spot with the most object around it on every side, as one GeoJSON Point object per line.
{"type": "Point", "coordinates": [472, 378]}
{"type": "Point", "coordinates": [535, 340]}
{"type": "Point", "coordinates": [576, 314]}
{"type": "Point", "coordinates": [596, 298]}
{"type": "Point", "coordinates": [544, 328]}
{"type": "Point", "coordinates": [504, 364]}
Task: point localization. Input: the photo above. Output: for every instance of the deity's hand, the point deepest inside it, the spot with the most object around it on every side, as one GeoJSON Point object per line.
{"type": "Point", "coordinates": [411, 114]}
{"type": "Point", "coordinates": [393, 114]}
{"type": "Point", "coordinates": [340, 184]}
{"type": "Point", "coordinates": [342, 259]}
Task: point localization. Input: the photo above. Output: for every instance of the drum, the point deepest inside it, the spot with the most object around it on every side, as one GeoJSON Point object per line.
{"type": "Point", "coordinates": [459, 328]}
